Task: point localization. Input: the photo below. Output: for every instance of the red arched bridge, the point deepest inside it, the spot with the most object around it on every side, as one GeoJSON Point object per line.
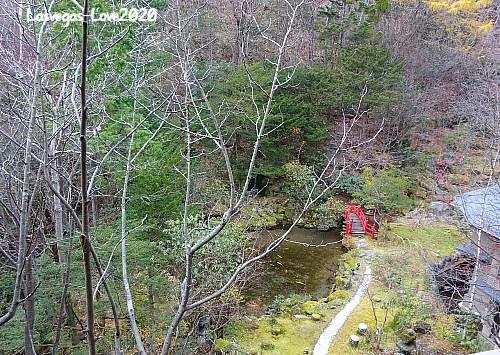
{"type": "Point", "coordinates": [356, 222]}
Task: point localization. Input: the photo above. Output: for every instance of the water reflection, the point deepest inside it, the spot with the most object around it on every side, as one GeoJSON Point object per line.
{"type": "Point", "coordinates": [295, 268]}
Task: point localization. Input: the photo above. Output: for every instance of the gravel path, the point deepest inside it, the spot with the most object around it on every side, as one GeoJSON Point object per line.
{"type": "Point", "coordinates": [326, 338]}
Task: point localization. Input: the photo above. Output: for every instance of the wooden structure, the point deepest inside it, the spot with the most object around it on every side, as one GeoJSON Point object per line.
{"type": "Point", "coordinates": [481, 209]}
{"type": "Point", "coordinates": [356, 222]}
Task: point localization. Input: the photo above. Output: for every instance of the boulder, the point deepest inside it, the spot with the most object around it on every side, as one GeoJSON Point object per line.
{"type": "Point", "coordinates": [440, 208]}
{"type": "Point", "coordinates": [422, 327]}
{"type": "Point", "coordinates": [323, 227]}
{"type": "Point", "coordinates": [337, 295]}
{"type": "Point", "coordinates": [406, 342]}
{"type": "Point", "coordinates": [310, 307]}
{"type": "Point", "coordinates": [408, 336]}
{"type": "Point", "coordinates": [267, 346]}
{"type": "Point", "coordinates": [406, 349]}
{"type": "Point", "coordinates": [316, 316]}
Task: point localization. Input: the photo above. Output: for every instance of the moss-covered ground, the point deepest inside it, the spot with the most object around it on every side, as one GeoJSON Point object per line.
{"type": "Point", "coordinates": [291, 331]}
{"type": "Point", "coordinates": [294, 325]}
{"type": "Point", "coordinates": [399, 295]}
{"type": "Point", "coordinates": [255, 337]}
{"type": "Point", "coordinates": [401, 289]}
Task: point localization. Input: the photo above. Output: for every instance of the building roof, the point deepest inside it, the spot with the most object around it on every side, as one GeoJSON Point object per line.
{"type": "Point", "coordinates": [481, 208]}
{"type": "Point", "coordinates": [490, 352]}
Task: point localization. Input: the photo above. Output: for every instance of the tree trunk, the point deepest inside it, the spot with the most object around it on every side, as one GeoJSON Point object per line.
{"type": "Point", "coordinates": [94, 211]}
{"type": "Point", "coordinates": [57, 205]}
{"type": "Point", "coordinates": [85, 237]}
{"type": "Point", "coordinates": [29, 306]}
{"type": "Point", "coordinates": [240, 45]}
{"type": "Point", "coordinates": [126, 285]}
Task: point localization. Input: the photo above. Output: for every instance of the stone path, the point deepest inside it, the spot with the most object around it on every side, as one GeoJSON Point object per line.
{"type": "Point", "coordinates": [326, 338]}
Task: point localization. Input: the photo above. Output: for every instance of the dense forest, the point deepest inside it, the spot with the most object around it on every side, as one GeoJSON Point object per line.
{"type": "Point", "coordinates": [149, 148]}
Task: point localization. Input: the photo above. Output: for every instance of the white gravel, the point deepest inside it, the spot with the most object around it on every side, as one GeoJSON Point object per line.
{"type": "Point", "coordinates": [326, 338]}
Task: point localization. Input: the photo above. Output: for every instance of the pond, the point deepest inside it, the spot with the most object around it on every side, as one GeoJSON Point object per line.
{"type": "Point", "coordinates": [295, 268]}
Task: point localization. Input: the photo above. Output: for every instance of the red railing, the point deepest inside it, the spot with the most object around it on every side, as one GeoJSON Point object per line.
{"type": "Point", "coordinates": [348, 224]}
{"type": "Point", "coordinates": [358, 211]}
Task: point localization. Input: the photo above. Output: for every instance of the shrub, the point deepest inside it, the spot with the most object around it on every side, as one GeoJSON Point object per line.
{"type": "Point", "coordinates": [349, 184]}
{"type": "Point", "coordinates": [222, 345]}
{"type": "Point", "coordinates": [390, 190]}
{"type": "Point", "coordinates": [467, 337]}
{"type": "Point", "coordinates": [216, 261]}
{"type": "Point", "coordinates": [299, 180]}
{"type": "Point", "coordinates": [277, 304]}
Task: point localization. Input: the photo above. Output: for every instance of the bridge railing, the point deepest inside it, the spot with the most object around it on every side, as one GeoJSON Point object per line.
{"type": "Point", "coordinates": [348, 224]}
{"type": "Point", "coordinates": [358, 211]}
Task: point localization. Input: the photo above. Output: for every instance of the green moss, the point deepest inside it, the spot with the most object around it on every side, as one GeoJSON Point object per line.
{"type": "Point", "coordinates": [266, 213]}
{"type": "Point", "coordinates": [481, 163]}
{"type": "Point", "coordinates": [316, 316]}
{"type": "Point", "coordinates": [348, 262]}
{"type": "Point", "coordinates": [439, 236]}
{"type": "Point", "coordinates": [222, 345]}
{"type": "Point", "coordinates": [341, 282]}
{"type": "Point", "coordinates": [277, 331]}
{"type": "Point", "coordinates": [401, 257]}
{"type": "Point", "coordinates": [457, 179]}
{"type": "Point", "coordinates": [310, 307]}
{"type": "Point", "coordinates": [298, 333]}
{"type": "Point", "coordinates": [338, 294]}
{"type": "Point", "coordinates": [362, 314]}
{"type": "Point", "coordinates": [442, 326]}
{"type": "Point", "coordinates": [401, 254]}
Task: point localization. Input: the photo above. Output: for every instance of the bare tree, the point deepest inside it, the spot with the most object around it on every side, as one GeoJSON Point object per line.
{"type": "Point", "coordinates": [27, 171]}
{"type": "Point", "coordinates": [60, 152]}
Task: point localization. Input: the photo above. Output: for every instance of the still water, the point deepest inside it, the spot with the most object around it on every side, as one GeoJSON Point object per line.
{"type": "Point", "coordinates": [295, 268]}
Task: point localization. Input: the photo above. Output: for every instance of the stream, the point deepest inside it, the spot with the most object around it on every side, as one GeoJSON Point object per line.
{"type": "Point", "coordinates": [295, 268]}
